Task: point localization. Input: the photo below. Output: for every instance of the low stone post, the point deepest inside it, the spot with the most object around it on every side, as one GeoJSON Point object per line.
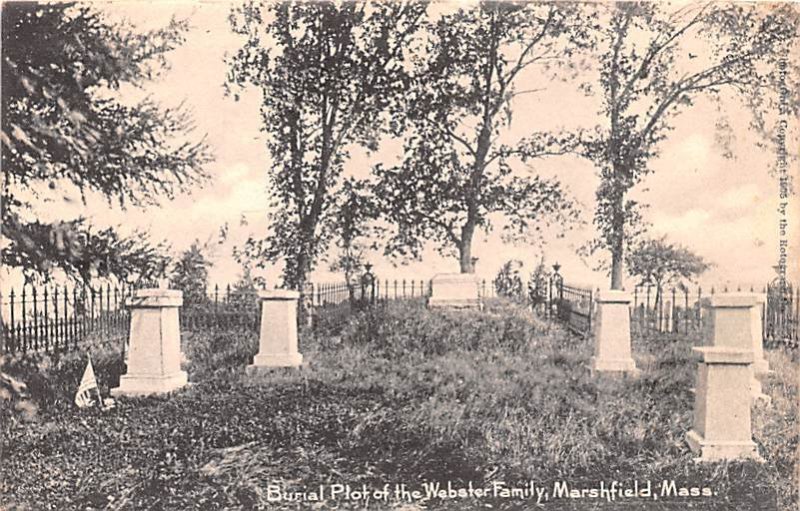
{"type": "Point", "coordinates": [734, 322]}
{"type": "Point", "coordinates": [613, 333]}
{"type": "Point", "coordinates": [722, 429]}
{"type": "Point", "coordinates": [154, 356]}
{"type": "Point", "coordinates": [278, 339]}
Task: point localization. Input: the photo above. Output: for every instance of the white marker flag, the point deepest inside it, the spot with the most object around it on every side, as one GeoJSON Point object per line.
{"type": "Point", "coordinates": [84, 397]}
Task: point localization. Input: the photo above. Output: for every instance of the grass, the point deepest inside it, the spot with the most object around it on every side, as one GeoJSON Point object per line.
{"type": "Point", "coordinates": [399, 395]}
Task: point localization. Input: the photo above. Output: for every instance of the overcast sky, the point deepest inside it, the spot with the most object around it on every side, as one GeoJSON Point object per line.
{"type": "Point", "coordinates": [724, 209]}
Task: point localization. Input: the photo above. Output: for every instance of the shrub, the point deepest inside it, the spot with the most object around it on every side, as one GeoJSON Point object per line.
{"type": "Point", "coordinates": [215, 354]}
{"type": "Point", "coordinates": [51, 379]}
{"type": "Point", "coordinates": [508, 282]}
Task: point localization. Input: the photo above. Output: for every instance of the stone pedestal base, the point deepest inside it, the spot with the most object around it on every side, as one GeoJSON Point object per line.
{"type": "Point", "coordinates": [267, 361]}
{"type": "Point", "coordinates": [134, 385]}
{"type": "Point", "coordinates": [455, 290]}
{"type": "Point", "coordinates": [154, 356]}
{"type": "Point", "coordinates": [761, 368]}
{"type": "Point", "coordinates": [709, 451]}
{"type": "Point", "coordinates": [278, 338]}
{"type": "Point", "coordinates": [721, 429]}
{"type": "Point", "coordinates": [735, 322]}
{"type": "Point", "coordinates": [627, 366]}
{"type": "Point", "coordinates": [613, 334]}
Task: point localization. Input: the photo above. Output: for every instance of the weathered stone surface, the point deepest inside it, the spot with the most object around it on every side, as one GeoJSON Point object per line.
{"type": "Point", "coordinates": [278, 337]}
{"type": "Point", "coordinates": [760, 363]}
{"type": "Point", "coordinates": [734, 321]}
{"type": "Point", "coordinates": [722, 429]}
{"type": "Point", "coordinates": [154, 356]}
{"type": "Point", "coordinates": [457, 290]}
{"type": "Point", "coordinates": [613, 333]}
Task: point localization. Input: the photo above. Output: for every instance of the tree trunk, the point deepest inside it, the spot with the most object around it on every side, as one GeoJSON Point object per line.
{"type": "Point", "coordinates": [616, 269]}
{"type": "Point", "coordinates": [617, 234]}
{"type": "Point", "coordinates": [465, 248]}
{"type": "Point", "coordinates": [618, 242]}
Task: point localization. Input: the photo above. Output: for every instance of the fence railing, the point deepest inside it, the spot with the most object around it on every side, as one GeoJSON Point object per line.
{"type": "Point", "coordinates": [58, 319]}
{"type": "Point", "coordinates": [376, 289]}
{"type": "Point", "coordinates": [681, 310]}
{"type": "Point", "coordinates": [575, 308]}
{"type": "Point", "coordinates": [674, 310]}
{"type": "Point", "coordinates": [219, 308]}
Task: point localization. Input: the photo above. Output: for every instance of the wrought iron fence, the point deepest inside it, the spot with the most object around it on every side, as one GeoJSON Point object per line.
{"type": "Point", "coordinates": [673, 310]}
{"type": "Point", "coordinates": [681, 310]}
{"type": "Point", "coordinates": [575, 308]}
{"type": "Point", "coordinates": [571, 305]}
{"type": "Point", "coordinates": [58, 319]}
{"type": "Point", "coordinates": [221, 309]}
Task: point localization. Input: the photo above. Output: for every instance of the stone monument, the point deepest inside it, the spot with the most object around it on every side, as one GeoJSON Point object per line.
{"type": "Point", "coordinates": [154, 355]}
{"type": "Point", "coordinates": [456, 290]}
{"type": "Point", "coordinates": [612, 351]}
{"type": "Point", "coordinates": [722, 429]}
{"type": "Point", "coordinates": [734, 321]}
{"type": "Point", "coordinates": [278, 337]}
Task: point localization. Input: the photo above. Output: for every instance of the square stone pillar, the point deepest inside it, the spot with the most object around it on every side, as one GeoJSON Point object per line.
{"type": "Point", "coordinates": [456, 290]}
{"type": "Point", "coordinates": [613, 333]}
{"type": "Point", "coordinates": [735, 322]}
{"type": "Point", "coordinates": [154, 355]}
{"type": "Point", "coordinates": [722, 429]}
{"type": "Point", "coordinates": [278, 339]}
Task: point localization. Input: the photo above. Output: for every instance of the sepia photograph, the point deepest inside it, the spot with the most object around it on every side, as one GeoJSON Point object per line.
{"type": "Point", "coordinates": [400, 255]}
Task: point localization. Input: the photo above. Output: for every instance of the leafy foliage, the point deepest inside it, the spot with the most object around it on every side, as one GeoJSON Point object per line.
{"type": "Point", "coordinates": [190, 274]}
{"type": "Point", "coordinates": [245, 290]}
{"type": "Point", "coordinates": [661, 263]}
{"type": "Point", "coordinates": [508, 282]}
{"type": "Point", "coordinates": [64, 126]}
{"type": "Point", "coordinates": [455, 174]}
{"type": "Point", "coordinates": [83, 252]}
{"type": "Point", "coordinates": [329, 74]}
{"type": "Point", "coordinates": [353, 227]}
{"type": "Point", "coordinates": [538, 282]}
{"type": "Point", "coordinates": [649, 74]}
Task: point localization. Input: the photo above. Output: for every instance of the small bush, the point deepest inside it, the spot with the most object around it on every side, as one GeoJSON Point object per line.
{"type": "Point", "coordinates": [215, 354]}
{"type": "Point", "coordinates": [508, 282]}
{"type": "Point", "coordinates": [51, 379]}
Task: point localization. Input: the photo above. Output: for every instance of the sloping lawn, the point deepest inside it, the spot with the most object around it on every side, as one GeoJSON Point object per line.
{"type": "Point", "coordinates": [403, 397]}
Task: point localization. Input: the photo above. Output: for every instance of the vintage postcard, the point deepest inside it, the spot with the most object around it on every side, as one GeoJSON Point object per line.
{"type": "Point", "coordinates": [400, 254]}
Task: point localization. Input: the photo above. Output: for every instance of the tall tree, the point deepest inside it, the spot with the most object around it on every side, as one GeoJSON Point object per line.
{"type": "Point", "coordinates": [659, 262]}
{"type": "Point", "coordinates": [656, 61]}
{"type": "Point", "coordinates": [456, 173]}
{"type": "Point", "coordinates": [328, 73]}
{"type": "Point", "coordinates": [190, 274]}
{"type": "Point", "coordinates": [65, 126]}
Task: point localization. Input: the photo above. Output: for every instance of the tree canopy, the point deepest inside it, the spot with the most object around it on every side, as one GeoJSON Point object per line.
{"type": "Point", "coordinates": [456, 173]}
{"type": "Point", "coordinates": [65, 125]}
{"type": "Point", "coordinates": [660, 262]}
{"type": "Point", "coordinates": [329, 74]}
{"type": "Point", "coordinates": [650, 73]}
